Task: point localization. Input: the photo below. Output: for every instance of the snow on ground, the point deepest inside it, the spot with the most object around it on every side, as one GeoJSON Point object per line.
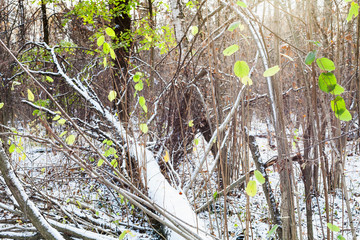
{"type": "Point", "coordinates": [48, 168]}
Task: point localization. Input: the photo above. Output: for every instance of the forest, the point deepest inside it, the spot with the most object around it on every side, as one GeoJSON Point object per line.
{"type": "Point", "coordinates": [179, 119]}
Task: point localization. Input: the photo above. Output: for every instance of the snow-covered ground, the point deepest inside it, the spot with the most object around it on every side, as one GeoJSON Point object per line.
{"type": "Point", "coordinates": [86, 199]}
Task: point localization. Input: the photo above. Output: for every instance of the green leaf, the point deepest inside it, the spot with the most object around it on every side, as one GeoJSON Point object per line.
{"type": "Point", "coordinates": [191, 123]}
{"type": "Point", "coordinates": [246, 81]}
{"type": "Point", "coordinates": [49, 79]}
{"type": "Point", "coordinates": [194, 30]}
{"type": "Point", "coordinates": [105, 62]}
{"type": "Point", "coordinates": [310, 57]}
{"type": "Point", "coordinates": [251, 188]}
{"type": "Point", "coordinates": [233, 26]}
{"type": "Point", "coordinates": [259, 177]}
{"type": "Point", "coordinates": [196, 141]}
{"type": "Point", "coordinates": [241, 69]}
{"type": "Point", "coordinates": [114, 163]}
{"type": "Point", "coordinates": [57, 117]}
{"type": "Point", "coordinates": [327, 82]}
{"type": "Point", "coordinates": [272, 231]}
{"type": "Point", "coordinates": [142, 101]}
{"type": "Point", "coordinates": [61, 121]}
{"type": "Point", "coordinates": [112, 54]}
{"type": "Point", "coordinates": [112, 95]}
{"type": "Point", "coordinates": [338, 105]}
{"type": "Point", "coordinates": [271, 71]}
{"type": "Point", "coordinates": [139, 86]}
{"type": "Point", "coordinates": [110, 32]}
{"type": "Point", "coordinates": [241, 4]}
{"type": "Point", "coordinates": [1, 105]}
{"type": "Point", "coordinates": [70, 139]}
{"type": "Point", "coordinates": [353, 12]}
{"type": "Point", "coordinates": [325, 64]}
{"type": "Point", "coordinates": [338, 90]}
{"type": "Point", "coordinates": [100, 162]}
{"type": "Point", "coordinates": [123, 234]}
{"type": "Point", "coordinates": [144, 128]}
{"type": "Point", "coordinates": [106, 48]}
{"type": "Point", "coordinates": [31, 97]}
{"type": "Point", "coordinates": [63, 133]}
{"type": "Point", "coordinates": [12, 148]}
{"type": "Point", "coordinates": [100, 40]}
{"type": "Point", "coordinates": [231, 50]}
{"type": "Point", "coordinates": [215, 195]}
{"type": "Point", "coordinates": [138, 76]}
{"type": "Point", "coordinates": [340, 237]}
{"type": "Point", "coordinates": [345, 116]}
{"type": "Point", "coordinates": [333, 227]}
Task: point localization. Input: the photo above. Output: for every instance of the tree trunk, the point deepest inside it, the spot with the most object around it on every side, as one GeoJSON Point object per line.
{"type": "Point", "coordinates": [284, 166]}
{"type": "Point", "coordinates": [122, 26]}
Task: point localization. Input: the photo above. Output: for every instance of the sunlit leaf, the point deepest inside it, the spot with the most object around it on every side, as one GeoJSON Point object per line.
{"type": "Point", "coordinates": [333, 227]}
{"type": "Point", "coordinates": [123, 234]}
{"type": "Point", "coordinates": [110, 32]}
{"type": "Point", "coordinates": [166, 156]}
{"type": "Point", "coordinates": [310, 57]}
{"type": "Point", "coordinates": [70, 139]}
{"type": "Point", "coordinates": [112, 95]}
{"type": "Point", "coordinates": [1, 105]}
{"type": "Point", "coordinates": [340, 237]}
{"type": "Point", "coordinates": [251, 188]}
{"type": "Point", "coordinates": [271, 71]}
{"type": "Point", "coordinates": [105, 62]}
{"type": "Point", "coordinates": [353, 12]}
{"type": "Point", "coordinates": [191, 123]}
{"type": "Point", "coordinates": [61, 121]}
{"type": "Point", "coordinates": [106, 48]}
{"type": "Point", "coordinates": [49, 79]}
{"type": "Point", "coordinates": [233, 26]}
{"type": "Point", "coordinates": [114, 163]}
{"type": "Point", "coordinates": [63, 133]}
{"type": "Point", "coordinates": [12, 148]}
{"type": "Point", "coordinates": [31, 97]}
{"type": "Point", "coordinates": [215, 195]}
{"type": "Point", "coordinates": [325, 64]}
{"type": "Point", "coordinates": [246, 81]}
{"type": "Point", "coordinates": [338, 90]}
{"type": "Point", "coordinates": [259, 177]}
{"type": "Point", "coordinates": [196, 141]}
{"type": "Point", "coordinates": [272, 231]}
{"type": "Point", "coordinates": [241, 4]}
{"type": "Point", "coordinates": [139, 86]}
{"type": "Point", "coordinates": [144, 128]}
{"type": "Point", "coordinates": [241, 69]}
{"type": "Point", "coordinates": [142, 101]}
{"type": "Point", "coordinates": [112, 54]}
{"type": "Point", "coordinates": [194, 30]}
{"type": "Point", "coordinates": [231, 50]}
{"type": "Point", "coordinates": [100, 40]}
{"type": "Point", "coordinates": [57, 117]}
{"type": "Point", "coordinates": [100, 162]}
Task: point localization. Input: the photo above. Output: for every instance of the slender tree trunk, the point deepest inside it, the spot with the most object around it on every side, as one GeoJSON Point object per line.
{"type": "Point", "coordinates": [285, 166]}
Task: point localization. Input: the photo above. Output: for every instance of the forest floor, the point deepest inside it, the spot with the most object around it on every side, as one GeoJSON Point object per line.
{"type": "Point", "coordinates": [55, 176]}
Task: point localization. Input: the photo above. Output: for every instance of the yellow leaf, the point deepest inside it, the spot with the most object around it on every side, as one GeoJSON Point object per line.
{"type": "Point", "coordinates": [30, 95]}
{"type": "Point", "coordinates": [166, 157]}
{"type": "Point", "coordinates": [1, 105]}
{"type": "Point", "coordinates": [251, 188]}
{"type": "Point", "coordinates": [112, 95]}
{"type": "Point", "coordinates": [246, 81]}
